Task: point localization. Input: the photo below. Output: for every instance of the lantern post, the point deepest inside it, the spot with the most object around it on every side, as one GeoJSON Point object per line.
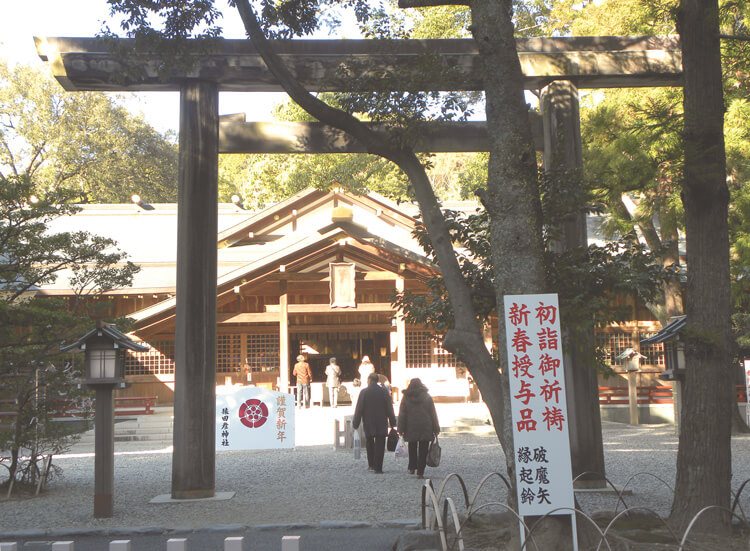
{"type": "Point", "coordinates": [104, 349]}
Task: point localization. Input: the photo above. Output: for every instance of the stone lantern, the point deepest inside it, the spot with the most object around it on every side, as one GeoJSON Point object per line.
{"type": "Point", "coordinates": [631, 361]}
{"type": "Point", "coordinates": [104, 349]}
{"type": "Point", "coordinates": [674, 358]}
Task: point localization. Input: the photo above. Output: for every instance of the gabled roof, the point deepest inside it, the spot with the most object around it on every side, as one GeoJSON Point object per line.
{"type": "Point", "coordinates": [280, 215]}
{"type": "Point", "coordinates": [669, 331]}
{"type": "Point", "coordinates": [107, 330]}
{"type": "Point", "coordinates": [307, 249]}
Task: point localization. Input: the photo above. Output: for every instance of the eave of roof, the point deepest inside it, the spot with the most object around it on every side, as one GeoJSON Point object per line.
{"type": "Point", "coordinates": [122, 340]}
{"type": "Point", "coordinates": [280, 256]}
{"type": "Point", "coordinates": [669, 331]}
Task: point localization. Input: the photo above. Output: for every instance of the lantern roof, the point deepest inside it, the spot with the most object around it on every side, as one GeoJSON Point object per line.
{"type": "Point", "coordinates": [669, 331]}
{"type": "Point", "coordinates": [110, 331]}
{"type": "Point", "coordinates": [629, 353]}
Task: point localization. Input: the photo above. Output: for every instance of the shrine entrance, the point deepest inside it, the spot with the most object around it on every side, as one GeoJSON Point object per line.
{"type": "Point", "coordinates": [87, 64]}
{"type": "Point", "coordinates": [348, 348]}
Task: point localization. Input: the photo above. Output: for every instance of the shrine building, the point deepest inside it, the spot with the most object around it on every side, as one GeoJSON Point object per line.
{"type": "Point", "coordinates": [313, 274]}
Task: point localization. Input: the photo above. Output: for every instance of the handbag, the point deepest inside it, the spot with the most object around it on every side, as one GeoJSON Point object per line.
{"type": "Point", "coordinates": [402, 450]}
{"type": "Point", "coordinates": [392, 440]}
{"type": "Point", "coordinates": [433, 454]}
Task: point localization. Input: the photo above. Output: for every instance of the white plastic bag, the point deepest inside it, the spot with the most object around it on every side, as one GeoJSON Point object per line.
{"type": "Point", "coordinates": [402, 450]}
{"type": "Point", "coordinates": [357, 445]}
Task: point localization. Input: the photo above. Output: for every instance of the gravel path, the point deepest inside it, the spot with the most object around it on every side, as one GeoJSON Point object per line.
{"type": "Point", "coordinates": [315, 484]}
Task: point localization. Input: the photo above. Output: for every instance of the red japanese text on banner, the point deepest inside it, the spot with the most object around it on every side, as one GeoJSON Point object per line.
{"type": "Point", "coordinates": [538, 406]}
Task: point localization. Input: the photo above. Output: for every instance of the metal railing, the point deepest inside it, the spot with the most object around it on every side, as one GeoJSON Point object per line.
{"type": "Point", "coordinates": [438, 511]}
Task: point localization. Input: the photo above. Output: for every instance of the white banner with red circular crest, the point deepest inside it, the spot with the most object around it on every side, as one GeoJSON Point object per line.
{"type": "Point", "coordinates": [252, 418]}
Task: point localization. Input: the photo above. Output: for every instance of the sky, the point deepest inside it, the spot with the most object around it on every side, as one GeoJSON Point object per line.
{"type": "Point", "coordinates": [24, 19]}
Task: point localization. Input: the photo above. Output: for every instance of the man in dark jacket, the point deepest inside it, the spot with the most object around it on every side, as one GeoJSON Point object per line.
{"type": "Point", "coordinates": [375, 410]}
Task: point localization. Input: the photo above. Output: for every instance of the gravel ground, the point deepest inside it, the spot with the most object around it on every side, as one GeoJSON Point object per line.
{"type": "Point", "coordinates": [314, 484]}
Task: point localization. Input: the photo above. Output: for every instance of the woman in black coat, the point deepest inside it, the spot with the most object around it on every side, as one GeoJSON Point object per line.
{"type": "Point", "coordinates": [418, 424]}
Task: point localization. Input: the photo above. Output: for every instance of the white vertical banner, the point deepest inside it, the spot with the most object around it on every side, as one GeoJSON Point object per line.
{"type": "Point", "coordinates": [747, 390]}
{"type": "Point", "coordinates": [539, 410]}
{"type": "Point", "coordinates": [252, 418]}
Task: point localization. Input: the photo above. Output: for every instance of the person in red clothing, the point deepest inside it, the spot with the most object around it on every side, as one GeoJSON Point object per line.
{"type": "Point", "coordinates": [304, 378]}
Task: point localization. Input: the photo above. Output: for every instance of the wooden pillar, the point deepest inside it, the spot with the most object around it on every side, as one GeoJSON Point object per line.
{"type": "Point", "coordinates": [193, 459]}
{"type": "Point", "coordinates": [104, 451]}
{"type": "Point", "coordinates": [562, 150]}
{"type": "Point", "coordinates": [398, 375]}
{"type": "Point", "coordinates": [283, 337]}
{"type": "Point", "coordinates": [633, 395]}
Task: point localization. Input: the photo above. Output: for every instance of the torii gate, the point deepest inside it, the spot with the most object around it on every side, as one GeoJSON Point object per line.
{"type": "Point", "coordinates": [84, 64]}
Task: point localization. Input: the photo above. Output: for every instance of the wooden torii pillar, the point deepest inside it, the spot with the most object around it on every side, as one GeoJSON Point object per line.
{"type": "Point", "coordinates": [193, 460]}
{"type": "Point", "coordinates": [81, 64]}
{"type": "Point", "coordinates": [563, 150]}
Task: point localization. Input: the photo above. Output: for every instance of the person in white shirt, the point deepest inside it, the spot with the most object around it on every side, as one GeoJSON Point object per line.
{"type": "Point", "coordinates": [333, 382]}
{"type": "Point", "coordinates": [365, 368]}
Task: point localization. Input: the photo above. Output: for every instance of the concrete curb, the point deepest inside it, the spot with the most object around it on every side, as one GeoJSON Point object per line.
{"type": "Point", "coordinates": [162, 530]}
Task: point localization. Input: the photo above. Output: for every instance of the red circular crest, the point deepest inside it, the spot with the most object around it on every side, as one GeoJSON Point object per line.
{"type": "Point", "coordinates": [253, 413]}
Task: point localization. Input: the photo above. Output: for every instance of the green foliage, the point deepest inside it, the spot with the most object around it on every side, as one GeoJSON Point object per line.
{"type": "Point", "coordinates": [633, 141]}
{"type": "Point", "coordinates": [586, 279]}
{"type": "Point", "coordinates": [82, 142]}
{"type": "Point", "coordinates": [34, 372]}
{"type": "Point", "coordinates": [612, 17]}
{"type": "Point", "coordinates": [632, 146]}
{"type": "Point", "coordinates": [263, 179]}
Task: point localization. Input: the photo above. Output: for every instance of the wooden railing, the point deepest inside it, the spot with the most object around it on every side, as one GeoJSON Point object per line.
{"type": "Point", "coordinates": [135, 405]}
{"type": "Point", "coordinates": [139, 405]}
{"type": "Point", "coordinates": [611, 395]}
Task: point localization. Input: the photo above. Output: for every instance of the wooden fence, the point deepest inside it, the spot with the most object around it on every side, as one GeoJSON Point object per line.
{"type": "Point", "coordinates": [143, 405]}
{"type": "Point", "coordinates": [613, 395]}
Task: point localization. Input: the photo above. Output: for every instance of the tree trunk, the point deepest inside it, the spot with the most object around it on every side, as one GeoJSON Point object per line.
{"type": "Point", "coordinates": [704, 456]}
{"type": "Point", "coordinates": [466, 340]}
{"type": "Point", "coordinates": [511, 198]}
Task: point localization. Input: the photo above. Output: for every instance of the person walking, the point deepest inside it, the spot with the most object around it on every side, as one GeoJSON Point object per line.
{"type": "Point", "coordinates": [304, 378]}
{"type": "Point", "coordinates": [333, 382]}
{"type": "Point", "coordinates": [375, 411]}
{"type": "Point", "coordinates": [418, 424]}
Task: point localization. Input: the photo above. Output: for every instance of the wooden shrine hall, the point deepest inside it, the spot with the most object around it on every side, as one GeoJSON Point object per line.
{"type": "Point", "coordinates": [312, 275]}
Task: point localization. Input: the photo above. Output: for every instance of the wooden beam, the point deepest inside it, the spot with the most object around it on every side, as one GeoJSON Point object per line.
{"type": "Point", "coordinates": [297, 276]}
{"type": "Point", "coordinates": [326, 309]}
{"type": "Point", "coordinates": [283, 337]}
{"type": "Point", "coordinates": [249, 317]}
{"type": "Point", "coordinates": [350, 328]}
{"type": "Point", "coordinates": [368, 65]}
{"type": "Point", "coordinates": [315, 137]}
{"type": "Point", "coordinates": [319, 277]}
{"type": "Point", "coordinates": [398, 367]}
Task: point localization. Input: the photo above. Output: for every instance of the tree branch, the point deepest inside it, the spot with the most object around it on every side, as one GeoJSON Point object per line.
{"type": "Point", "coordinates": [406, 160]}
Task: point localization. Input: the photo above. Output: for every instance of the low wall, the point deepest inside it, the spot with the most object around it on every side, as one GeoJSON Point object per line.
{"type": "Point", "coordinates": [648, 414]}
